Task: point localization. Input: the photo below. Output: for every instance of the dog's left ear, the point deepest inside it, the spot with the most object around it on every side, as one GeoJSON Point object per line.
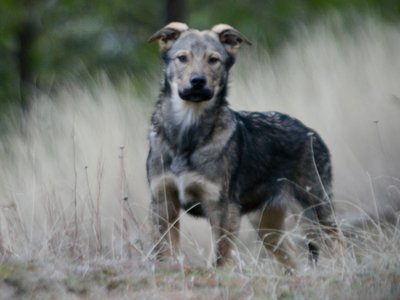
{"type": "Point", "coordinates": [167, 35]}
{"type": "Point", "coordinates": [230, 37]}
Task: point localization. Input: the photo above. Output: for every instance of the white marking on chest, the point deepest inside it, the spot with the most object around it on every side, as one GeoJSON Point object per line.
{"type": "Point", "coordinates": [189, 186]}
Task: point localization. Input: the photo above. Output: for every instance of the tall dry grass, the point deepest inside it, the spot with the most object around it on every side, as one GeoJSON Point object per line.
{"type": "Point", "coordinates": [73, 184]}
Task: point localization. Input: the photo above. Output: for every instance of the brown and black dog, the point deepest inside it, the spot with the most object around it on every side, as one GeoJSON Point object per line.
{"type": "Point", "coordinates": [220, 164]}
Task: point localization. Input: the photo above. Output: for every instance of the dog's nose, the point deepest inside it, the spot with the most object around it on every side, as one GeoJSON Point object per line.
{"type": "Point", "coordinates": [198, 81]}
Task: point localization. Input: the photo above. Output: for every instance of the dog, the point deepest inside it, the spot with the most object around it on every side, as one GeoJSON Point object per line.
{"type": "Point", "coordinates": [214, 162]}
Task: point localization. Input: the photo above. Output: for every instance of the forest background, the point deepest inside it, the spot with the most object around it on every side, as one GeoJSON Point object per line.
{"type": "Point", "coordinates": [46, 43]}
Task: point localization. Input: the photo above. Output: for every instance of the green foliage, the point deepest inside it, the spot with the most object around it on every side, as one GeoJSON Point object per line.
{"type": "Point", "coordinates": [75, 40]}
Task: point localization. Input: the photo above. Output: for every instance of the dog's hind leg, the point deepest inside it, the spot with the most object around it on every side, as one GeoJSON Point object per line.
{"type": "Point", "coordinates": [313, 191]}
{"type": "Point", "coordinates": [164, 214]}
{"type": "Point", "coordinates": [319, 211]}
{"type": "Point", "coordinates": [269, 224]}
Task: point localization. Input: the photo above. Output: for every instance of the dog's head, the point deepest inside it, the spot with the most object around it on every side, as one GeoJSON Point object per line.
{"type": "Point", "coordinates": [198, 62]}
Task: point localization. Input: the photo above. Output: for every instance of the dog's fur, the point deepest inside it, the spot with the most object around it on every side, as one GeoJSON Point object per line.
{"type": "Point", "coordinates": [220, 164]}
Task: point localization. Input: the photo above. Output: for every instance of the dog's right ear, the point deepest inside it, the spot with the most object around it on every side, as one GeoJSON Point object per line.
{"type": "Point", "coordinates": [230, 37]}
{"type": "Point", "coordinates": [167, 35]}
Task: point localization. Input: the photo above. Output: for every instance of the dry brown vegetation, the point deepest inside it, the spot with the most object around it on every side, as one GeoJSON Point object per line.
{"type": "Point", "coordinates": [74, 199]}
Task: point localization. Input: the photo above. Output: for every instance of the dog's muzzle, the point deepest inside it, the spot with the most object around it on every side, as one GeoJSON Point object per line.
{"type": "Point", "coordinates": [197, 92]}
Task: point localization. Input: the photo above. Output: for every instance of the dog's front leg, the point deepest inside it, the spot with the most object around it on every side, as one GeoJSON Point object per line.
{"type": "Point", "coordinates": [225, 223]}
{"type": "Point", "coordinates": [164, 215]}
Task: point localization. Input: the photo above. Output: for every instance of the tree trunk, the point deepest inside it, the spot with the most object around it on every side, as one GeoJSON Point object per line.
{"type": "Point", "coordinates": [26, 37]}
{"type": "Point", "coordinates": [175, 11]}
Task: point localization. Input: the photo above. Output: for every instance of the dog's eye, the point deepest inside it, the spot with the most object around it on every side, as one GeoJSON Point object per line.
{"type": "Point", "coordinates": [213, 60]}
{"type": "Point", "coordinates": [182, 58]}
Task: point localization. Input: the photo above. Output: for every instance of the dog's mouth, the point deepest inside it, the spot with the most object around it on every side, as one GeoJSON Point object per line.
{"type": "Point", "coordinates": [196, 95]}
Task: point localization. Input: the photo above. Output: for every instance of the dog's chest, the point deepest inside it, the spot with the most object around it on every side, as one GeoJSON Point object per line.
{"type": "Point", "coordinates": [202, 162]}
{"type": "Point", "coordinates": [189, 164]}
{"type": "Point", "coordinates": [180, 164]}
